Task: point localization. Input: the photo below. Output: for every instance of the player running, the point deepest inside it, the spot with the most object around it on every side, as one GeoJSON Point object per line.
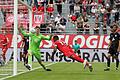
{"type": "Point", "coordinates": [114, 47]}
{"type": "Point", "coordinates": [4, 43]}
{"type": "Point", "coordinates": [68, 52]}
{"type": "Point", "coordinates": [34, 49]}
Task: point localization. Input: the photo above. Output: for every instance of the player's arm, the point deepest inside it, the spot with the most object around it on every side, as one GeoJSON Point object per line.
{"type": "Point", "coordinates": [55, 50]}
{"type": "Point", "coordinates": [109, 44]}
{"type": "Point", "coordinates": [21, 30]}
{"type": "Point", "coordinates": [118, 47]}
{"type": "Point", "coordinates": [23, 43]}
{"type": "Point", "coordinates": [79, 50]}
{"type": "Point", "coordinates": [48, 37]}
{"type": "Point", "coordinates": [110, 41]}
{"type": "Point", "coordinates": [7, 41]}
{"type": "Point", "coordinates": [119, 44]}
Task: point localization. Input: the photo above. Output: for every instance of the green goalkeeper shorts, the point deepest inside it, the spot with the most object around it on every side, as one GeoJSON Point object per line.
{"type": "Point", "coordinates": [37, 54]}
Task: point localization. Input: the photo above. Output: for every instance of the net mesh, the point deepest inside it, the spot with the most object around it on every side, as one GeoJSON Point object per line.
{"type": "Point", "coordinates": [7, 26]}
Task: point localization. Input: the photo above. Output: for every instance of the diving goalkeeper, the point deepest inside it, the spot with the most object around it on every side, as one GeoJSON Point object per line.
{"type": "Point", "coordinates": [34, 49]}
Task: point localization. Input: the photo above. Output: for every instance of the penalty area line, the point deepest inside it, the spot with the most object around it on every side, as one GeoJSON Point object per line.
{"type": "Point", "coordinates": [27, 71]}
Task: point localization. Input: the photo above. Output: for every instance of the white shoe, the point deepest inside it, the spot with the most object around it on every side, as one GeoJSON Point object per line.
{"type": "Point", "coordinates": [6, 63]}
{"type": "Point", "coordinates": [90, 67]}
{"type": "Point", "coordinates": [28, 66]}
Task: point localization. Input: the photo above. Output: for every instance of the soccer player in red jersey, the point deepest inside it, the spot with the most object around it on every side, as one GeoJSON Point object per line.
{"type": "Point", "coordinates": [4, 43]}
{"type": "Point", "coordinates": [68, 52]}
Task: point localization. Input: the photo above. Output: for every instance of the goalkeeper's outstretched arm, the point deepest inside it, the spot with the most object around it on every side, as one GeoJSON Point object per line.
{"type": "Point", "coordinates": [21, 30]}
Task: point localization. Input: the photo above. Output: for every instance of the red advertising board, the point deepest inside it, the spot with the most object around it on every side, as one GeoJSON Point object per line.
{"type": "Point", "coordinates": [85, 41]}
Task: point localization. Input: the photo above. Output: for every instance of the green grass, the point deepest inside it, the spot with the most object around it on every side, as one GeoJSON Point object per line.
{"type": "Point", "coordinates": [70, 71]}
{"type": "Point", "coordinates": [8, 69]}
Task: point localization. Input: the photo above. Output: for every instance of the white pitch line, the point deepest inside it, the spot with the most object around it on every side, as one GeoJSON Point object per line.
{"type": "Point", "coordinates": [12, 70]}
{"type": "Point", "coordinates": [4, 74]}
{"type": "Point", "coordinates": [27, 71]}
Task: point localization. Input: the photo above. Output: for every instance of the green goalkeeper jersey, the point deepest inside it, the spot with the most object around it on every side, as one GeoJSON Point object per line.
{"type": "Point", "coordinates": [35, 40]}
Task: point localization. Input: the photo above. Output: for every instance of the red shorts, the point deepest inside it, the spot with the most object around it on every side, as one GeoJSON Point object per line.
{"type": "Point", "coordinates": [67, 51]}
{"type": "Point", "coordinates": [4, 49]}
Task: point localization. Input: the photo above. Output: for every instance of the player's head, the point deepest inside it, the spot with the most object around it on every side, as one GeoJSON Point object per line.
{"type": "Point", "coordinates": [37, 28]}
{"type": "Point", "coordinates": [4, 32]}
{"type": "Point", "coordinates": [26, 37]}
{"type": "Point", "coordinates": [114, 27]}
{"type": "Point", "coordinates": [75, 41]}
{"type": "Point", "coordinates": [55, 38]}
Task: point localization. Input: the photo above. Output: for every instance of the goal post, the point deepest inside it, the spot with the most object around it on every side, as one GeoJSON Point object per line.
{"type": "Point", "coordinates": [15, 36]}
{"type": "Point", "coordinates": [16, 30]}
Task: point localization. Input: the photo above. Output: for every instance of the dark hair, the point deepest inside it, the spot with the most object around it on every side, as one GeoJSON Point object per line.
{"type": "Point", "coordinates": [114, 25]}
{"type": "Point", "coordinates": [37, 27]}
{"type": "Point", "coordinates": [56, 38]}
{"type": "Point", "coordinates": [75, 40]}
{"type": "Point", "coordinates": [111, 26]}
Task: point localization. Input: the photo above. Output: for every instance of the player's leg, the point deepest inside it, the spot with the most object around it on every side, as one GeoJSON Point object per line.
{"type": "Point", "coordinates": [11, 57]}
{"type": "Point", "coordinates": [117, 60]}
{"type": "Point", "coordinates": [108, 62]}
{"type": "Point", "coordinates": [38, 57]}
{"type": "Point", "coordinates": [25, 57]}
{"type": "Point", "coordinates": [77, 58]}
{"type": "Point", "coordinates": [70, 53]}
{"type": "Point", "coordinates": [3, 55]}
{"type": "Point", "coordinates": [4, 50]}
{"type": "Point", "coordinates": [28, 65]}
{"type": "Point", "coordinates": [117, 63]}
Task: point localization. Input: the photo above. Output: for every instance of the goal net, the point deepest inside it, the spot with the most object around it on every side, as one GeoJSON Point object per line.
{"type": "Point", "coordinates": [10, 39]}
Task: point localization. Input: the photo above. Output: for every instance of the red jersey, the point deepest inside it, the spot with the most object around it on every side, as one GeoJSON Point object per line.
{"type": "Point", "coordinates": [64, 48]}
{"type": "Point", "coordinates": [50, 9]}
{"type": "Point", "coordinates": [4, 40]}
{"type": "Point", "coordinates": [74, 18]}
{"type": "Point", "coordinates": [60, 44]}
{"type": "Point", "coordinates": [34, 8]}
{"type": "Point", "coordinates": [41, 8]}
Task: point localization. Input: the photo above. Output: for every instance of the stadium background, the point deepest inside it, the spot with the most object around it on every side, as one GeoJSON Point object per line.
{"type": "Point", "coordinates": [93, 45]}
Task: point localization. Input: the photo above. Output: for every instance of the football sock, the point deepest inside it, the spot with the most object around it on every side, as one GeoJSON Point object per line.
{"type": "Point", "coordinates": [77, 58]}
{"type": "Point", "coordinates": [30, 59]}
{"type": "Point", "coordinates": [4, 58]}
{"type": "Point", "coordinates": [24, 59]}
{"type": "Point", "coordinates": [108, 62]}
{"type": "Point", "coordinates": [117, 63]}
{"type": "Point", "coordinates": [42, 64]}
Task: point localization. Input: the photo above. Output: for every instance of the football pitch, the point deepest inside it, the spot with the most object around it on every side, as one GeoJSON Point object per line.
{"type": "Point", "coordinates": [69, 71]}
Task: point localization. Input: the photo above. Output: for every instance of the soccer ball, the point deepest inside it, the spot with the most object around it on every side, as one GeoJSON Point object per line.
{"type": "Point", "coordinates": [32, 30]}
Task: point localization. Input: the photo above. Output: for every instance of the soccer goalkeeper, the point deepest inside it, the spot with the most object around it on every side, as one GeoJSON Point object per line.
{"type": "Point", "coordinates": [34, 49]}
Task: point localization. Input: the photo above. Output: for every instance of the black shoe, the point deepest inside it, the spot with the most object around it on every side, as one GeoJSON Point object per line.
{"type": "Point", "coordinates": [116, 68]}
{"type": "Point", "coordinates": [91, 68]}
{"type": "Point", "coordinates": [48, 70]}
{"type": "Point", "coordinates": [107, 69]}
{"type": "Point", "coordinates": [28, 67]}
